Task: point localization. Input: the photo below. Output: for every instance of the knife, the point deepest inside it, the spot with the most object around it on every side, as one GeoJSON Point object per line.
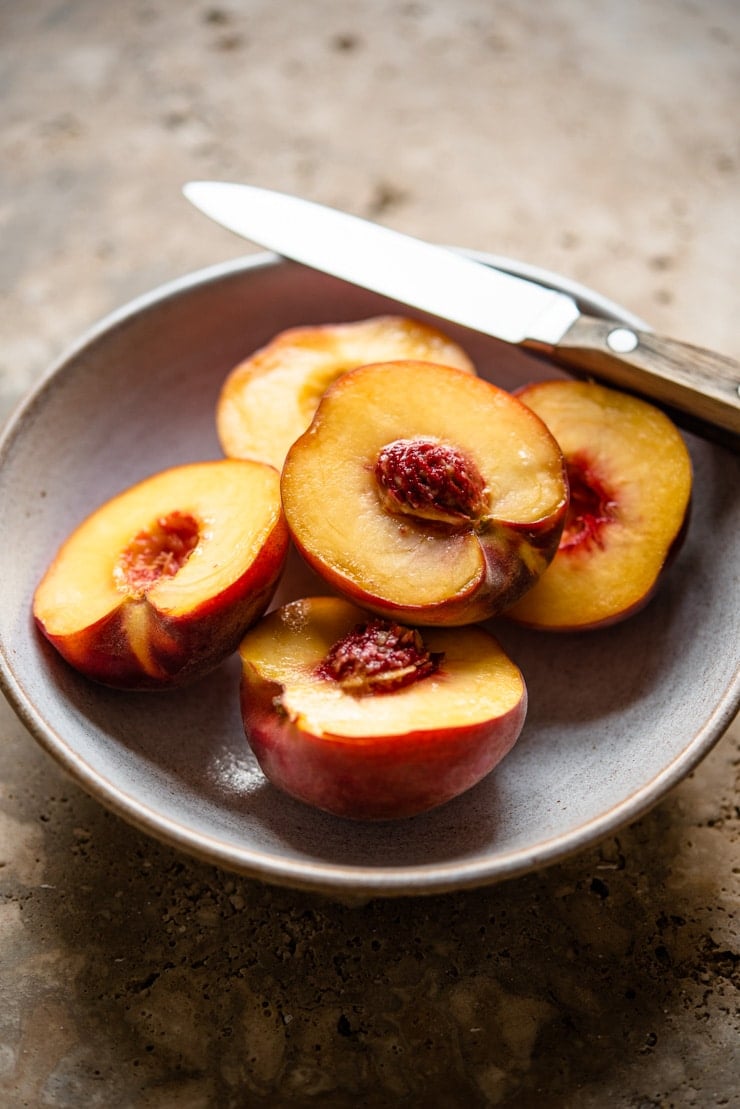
{"type": "Point", "coordinates": [700, 388]}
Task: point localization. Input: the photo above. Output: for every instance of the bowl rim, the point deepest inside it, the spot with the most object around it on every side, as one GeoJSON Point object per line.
{"type": "Point", "coordinates": [320, 876]}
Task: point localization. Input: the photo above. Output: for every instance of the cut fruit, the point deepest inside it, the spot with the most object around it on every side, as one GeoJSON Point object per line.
{"type": "Point", "coordinates": [630, 480]}
{"type": "Point", "coordinates": [366, 719]}
{"type": "Point", "coordinates": [268, 401]}
{"type": "Point", "coordinates": [160, 583]}
{"type": "Point", "coordinates": [425, 494]}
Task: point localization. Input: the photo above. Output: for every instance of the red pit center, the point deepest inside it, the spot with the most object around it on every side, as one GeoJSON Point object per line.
{"type": "Point", "coordinates": [591, 507]}
{"type": "Point", "coordinates": [158, 552]}
{"type": "Point", "coordinates": [379, 657]}
{"type": "Point", "coordinates": [430, 480]}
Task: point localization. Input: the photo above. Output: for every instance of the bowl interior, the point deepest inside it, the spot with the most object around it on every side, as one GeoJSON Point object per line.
{"type": "Point", "coordinates": [616, 717]}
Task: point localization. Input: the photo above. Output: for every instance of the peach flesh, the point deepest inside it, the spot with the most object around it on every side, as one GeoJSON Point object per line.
{"type": "Point", "coordinates": [400, 552]}
{"type": "Point", "coordinates": [374, 755]}
{"type": "Point", "coordinates": [630, 476]}
{"type": "Point", "coordinates": [268, 400]}
{"type": "Point", "coordinates": [159, 584]}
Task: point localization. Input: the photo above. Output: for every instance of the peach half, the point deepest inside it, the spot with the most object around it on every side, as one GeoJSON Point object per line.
{"type": "Point", "coordinates": [159, 584]}
{"type": "Point", "coordinates": [268, 400]}
{"type": "Point", "coordinates": [425, 494]}
{"type": "Point", "coordinates": [630, 481]}
{"type": "Point", "coordinates": [364, 718]}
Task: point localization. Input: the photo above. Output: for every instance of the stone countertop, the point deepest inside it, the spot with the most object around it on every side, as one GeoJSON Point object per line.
{"type": "Point", "coordinates": [595, 139]}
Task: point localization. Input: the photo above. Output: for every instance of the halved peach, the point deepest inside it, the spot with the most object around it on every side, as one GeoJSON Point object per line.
{"type": "Point", "coordinates": [159, 584]}
{"type": "Point", "coordinates": [630, 488]}
{"type": "Point", "coordinates": [425, 494]}
{"type": "Point", "coordinates": [268, 400]}
{"type": "Point", "coordinates": [364, 718]}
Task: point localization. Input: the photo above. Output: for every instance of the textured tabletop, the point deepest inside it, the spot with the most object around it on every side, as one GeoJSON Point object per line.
{"type": "Point", "coordinates": [596, 139]}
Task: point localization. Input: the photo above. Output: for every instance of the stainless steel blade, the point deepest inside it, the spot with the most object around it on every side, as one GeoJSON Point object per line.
{"type": "Point", "coordinates": [432, 278]}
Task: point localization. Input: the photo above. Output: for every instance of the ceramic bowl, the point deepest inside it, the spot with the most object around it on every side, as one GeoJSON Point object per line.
{"type": "Point", "coordinates": [617, 717]}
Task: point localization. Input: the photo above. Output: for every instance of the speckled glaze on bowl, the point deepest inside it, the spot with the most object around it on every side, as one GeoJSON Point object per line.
{"type": "Point", "coordinates": [617, 717]}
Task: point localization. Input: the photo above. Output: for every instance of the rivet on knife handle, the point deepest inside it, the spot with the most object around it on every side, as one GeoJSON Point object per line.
{"type": "Point", "coordinates": [689, 379]}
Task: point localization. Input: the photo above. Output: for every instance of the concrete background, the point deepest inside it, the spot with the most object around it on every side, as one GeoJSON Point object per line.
{"type": "Point", "coordinates": [593, 137]}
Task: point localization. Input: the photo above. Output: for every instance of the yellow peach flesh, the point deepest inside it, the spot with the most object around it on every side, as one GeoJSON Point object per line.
{"type": "Point", "coordinates": [332, 493]}
{"type": "Point", "coordinates": [477, 682]}
{"type": "Point", "coordinates": [636, 454]}
{"type": "Point", "coordinates": [84, 583]}
{"type": "Point", "coordinates": [268, 400]}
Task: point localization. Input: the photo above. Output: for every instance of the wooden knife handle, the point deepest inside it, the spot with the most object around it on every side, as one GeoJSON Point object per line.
{"type": "Point", "coordinates": [690, 381]}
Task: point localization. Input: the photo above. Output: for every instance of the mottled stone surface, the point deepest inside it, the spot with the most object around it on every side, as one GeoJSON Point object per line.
{"type": "Point", "coordinates": [594, 138]}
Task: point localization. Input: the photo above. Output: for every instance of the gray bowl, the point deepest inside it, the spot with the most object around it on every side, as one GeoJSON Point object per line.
{"type": "Point", "coordinates": [617, 717]}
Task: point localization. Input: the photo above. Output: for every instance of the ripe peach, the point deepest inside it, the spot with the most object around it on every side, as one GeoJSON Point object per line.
{"type": "Point", "coordinates": [630, 489]}
{"type": "Point", "coordinates": [159, 584]}
{"type": "Point", "coordinates": [268, 400]}
{"type": "Point", "coordinates": [363, 718]}
{"type": "Point", "coordinates": [425, 494]}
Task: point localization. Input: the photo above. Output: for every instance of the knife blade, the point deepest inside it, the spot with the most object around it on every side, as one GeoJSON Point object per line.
{"type": "Point", "coordinates": [700, 388]}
